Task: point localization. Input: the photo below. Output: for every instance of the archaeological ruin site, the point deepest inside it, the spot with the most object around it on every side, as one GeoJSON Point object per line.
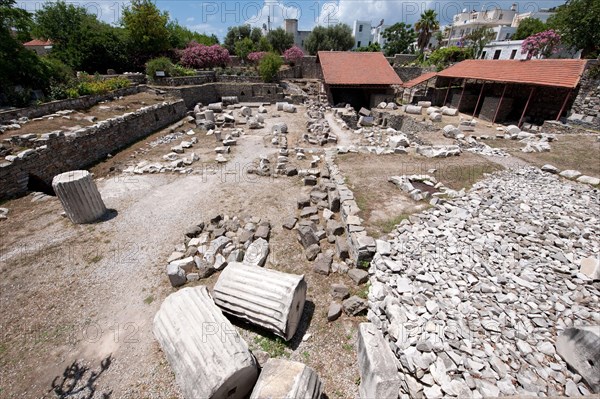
{"type": "Point", "coordinates": [356, 229]}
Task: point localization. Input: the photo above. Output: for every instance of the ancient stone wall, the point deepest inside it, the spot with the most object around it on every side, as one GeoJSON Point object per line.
{"type": "Point", "coordinates": [57, 153]}
{"type": "Point", "coordinates": [586, 107]}
{"type": "Point", "coordinates": [201, 78]}
{"type": "Point", "coordinates": [401, 122]}
{"type": "Point", "coordinates": [212, 92]}
{"type": "Point", "coordinates": [403, 59]}
{"type": "Point", "coordinates": [310, 68]}
{"type": "Point", "coordinates": [82, 102]}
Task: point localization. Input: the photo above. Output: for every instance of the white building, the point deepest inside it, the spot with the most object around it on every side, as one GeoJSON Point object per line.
{"type": "Point", "coordinates": [365, 34]}
{"type": "Point", "coordinates": [291, 26]}
{"type": "Point", "coordinates": [469, 21]}
{"type": "Point", "coordinates": [511, 50]}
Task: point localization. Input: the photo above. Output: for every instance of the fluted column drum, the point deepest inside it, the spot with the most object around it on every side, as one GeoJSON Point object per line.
{"type": "Point", "coordinates": [79, 196]}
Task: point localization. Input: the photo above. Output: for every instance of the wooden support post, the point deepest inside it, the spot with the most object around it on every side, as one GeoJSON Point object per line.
{"type": "Point", "coordinates": [526, 106]}
{"type": "Point", "coordinates": [499, 104]}
{"type": "Point", "coordinates": [462, 94]}
{"type": "Point", "coordinates": [562, 109]}
{"type": "Point", "coordinates": [447, 92]}
{"type": "Point", "coordinates": [478, 99]}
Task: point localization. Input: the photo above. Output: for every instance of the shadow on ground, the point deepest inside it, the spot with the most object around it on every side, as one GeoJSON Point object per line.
{"type": "Point", "coordinates": [79, 381]}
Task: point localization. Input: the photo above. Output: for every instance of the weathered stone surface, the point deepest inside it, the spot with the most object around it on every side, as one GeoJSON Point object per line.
{"type": "Point", "coordinates": [176, 275]}
{"type": "Point", "coordinates": [591, 267]}
{"type": "Point", "coordinates": [281, 378]}
{"type": "Point", "coordinates": [594, 181]}
{"type": "Point", "coordinates": [334, 311]}
{"type": "Point", "coordinates": [312, 251]}
{"type": "Point", "coordinates": [306, 236]}
{"type": "Point", "coordinates": [257, 253]}
{"type": "Point", "coordinates": [377, 365]}
{"type": "Point", "coordinates": [413, 109]}
{"type": "Point", "coordinates": [208, 357]}
{"type": "Point", "coordinates": [580, 348]}
{"type": "Point", "coordinates": [358, 276]}
{"type": "Point", "coordinates": [264, 297]}
{"type": "Point", "coordinates": [354, 306]}
{"type": "Point", "coordinates": [290, 223]}
{"type": "Point", "coordinates": [79, 196]}
{"type": "Point", "coordinates": [323, 263]}
{"type": "Point", "coordinates": [550, 169]}
{"type": "Point", "coordinates": [570, 174]}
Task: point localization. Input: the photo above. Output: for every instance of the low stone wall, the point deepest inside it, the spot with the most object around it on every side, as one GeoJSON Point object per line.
{"type": "Point", "coordinates": [409, 73]}
{"type": "Point", "coordinates": [294, 72]}
{"type": "Point", "coordinates": [57, 153]}
{"type": "Point", "coordinates": [403, 59]}
{"type": "Point", "coordinates": [238, 79]}
{"type": "Point", "coordinates": [201, 78]}
{"type": "Point", "coordinates": [82, 102]}
{"type": "Point", "coordinates": [212, 92]}
{"type": "Point", "coordinates": [310, 68]}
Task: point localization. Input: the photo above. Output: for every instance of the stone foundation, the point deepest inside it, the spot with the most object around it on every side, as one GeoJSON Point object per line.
{"type": "Point", "coordinates": [59, 152]}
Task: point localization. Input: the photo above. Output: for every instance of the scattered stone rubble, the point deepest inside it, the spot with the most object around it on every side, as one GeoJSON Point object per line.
{"type": "Point", "coordinates": [319, 132]}
{"type": "Point", "coordinates": [472, 294]}
{"type": "Point", "coordinates": [430, 187]}
{"type": "Point", "coordinates": [211, 246]}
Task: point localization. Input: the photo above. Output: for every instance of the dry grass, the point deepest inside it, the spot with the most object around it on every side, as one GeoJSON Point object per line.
{"type": "Point", "coordinates": [382, 204]}
{"type": "Point", "coordinates": [579, 152]}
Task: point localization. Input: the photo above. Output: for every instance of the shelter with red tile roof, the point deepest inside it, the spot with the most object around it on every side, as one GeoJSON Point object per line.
{"type": "Point", "coordinates": [41, 47]}
{"type": "Point", "coordinates": [510, 90]}
{"type": "Point", "coordinates": [362, 79]}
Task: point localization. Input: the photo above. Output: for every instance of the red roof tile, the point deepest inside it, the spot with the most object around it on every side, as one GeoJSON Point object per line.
{"type": "Point", "coordinates": [561, 73]}
{"type": "Point", "coordinates": [37, 42]}
{"type": "Point", "coordinates": [357, 68]}
{"type": "Point", "coordinates": [419, 79]}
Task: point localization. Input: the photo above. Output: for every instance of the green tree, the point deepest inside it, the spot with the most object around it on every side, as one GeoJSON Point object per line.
{"type": "Point", "coordinates": [337, 38]}
{"type": "Point", "coordinates": [264, 45]}
{"type": "Point", "coordinates": [529, 27]}
{"type": "Point", "coordinates": [147, 28]}
{"type": "Point", "coordinates": [479, 38]}
{"type": "Point", "coordinates": [577, 22]}
{"type": "Point", "coordinates": [79, 39]}
{"type": "Point", "coordinates": [237, 33]}
{"type": "Point", "coordinates": [398, 38]}
{"type": "Point", "coordinates": [180, 36]}
{"type": "Point", "coordinates": [269, 66]}
{"type": "Point", "coordinates": [280, 40]}
{"type": "Point", "coordinates": [18, 66]}
{"type": "Point", "coordinates": [371, 48]}
{"type": "Point", "coordinates": [425, 27]}
{"type": "Point", "coordinates": [445, 56]}
{"type": "Point", "coordinates": [244, 47]}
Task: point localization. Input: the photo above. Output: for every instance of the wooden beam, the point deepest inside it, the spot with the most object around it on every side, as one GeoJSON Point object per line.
{"type": "Point", "coordinates": [562, 109]}
{"type": "Point", "coordinates": [462, 94]}
{"type": "Point", "coordinates": [500, 103]}
{"type": "Point", "coordinates": [447, 92]}
{"type": "Point", "coordinates": [478, 99]}
{"type": "Point", "coordinates": [526, 106]}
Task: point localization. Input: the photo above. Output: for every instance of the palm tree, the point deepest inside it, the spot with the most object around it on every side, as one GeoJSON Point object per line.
{"type": "Point", "coordinates": [426, 26]}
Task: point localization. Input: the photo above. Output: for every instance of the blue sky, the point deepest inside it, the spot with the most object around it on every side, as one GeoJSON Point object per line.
{"type": "Point", "coordinates": [215, 16]}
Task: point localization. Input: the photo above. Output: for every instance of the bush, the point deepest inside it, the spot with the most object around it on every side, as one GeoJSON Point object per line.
{"type": "Point", "coordinates": [200, 56]}
{"type": "Point", "coordinates": [159, 64]}
{"type": "Point", "coordinates": [269, 66]}
{"type": "Point", "coordinates": [445, 56]}
{"type": "Point", "coordinates": [293, 55]}
{"type": "Point", "coordinates": [256, 56]}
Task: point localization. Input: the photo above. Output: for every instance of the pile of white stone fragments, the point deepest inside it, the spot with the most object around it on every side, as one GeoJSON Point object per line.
{"type": "Point", "coordinates": [429, 187]}
{"type": "Point", "coordinates": [477, 296]}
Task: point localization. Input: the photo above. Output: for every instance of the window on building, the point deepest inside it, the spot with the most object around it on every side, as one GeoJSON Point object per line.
{"type": "Point", "coordinates": [513, 54]}
{"type": "Point", "coordinates": [483, 55]}
{"type": "Point", "coordinates": [369, 42]}
{"type": "Point", "coordinates": [501, 16]}
{"type": "Point", "coordinates": [462, 32]}
{"type": "Point", "coordinates": [358, 44]}
{"type": "Point", "coordinates": [507, 36]}
{"type": "Point", "coordinates": [360, 28]}
{"type": "Point", "coordinates": [497, 54]}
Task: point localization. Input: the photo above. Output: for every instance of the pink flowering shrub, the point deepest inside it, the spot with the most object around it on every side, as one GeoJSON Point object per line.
{"type": "Point", "coordinates": [542, 44]}
{"type": "Point", "coordinates": [255, 56]}
{"type": "Point", "coordinates": [293, 54]}
{"type": "Point", "coordinates": [200, 56]}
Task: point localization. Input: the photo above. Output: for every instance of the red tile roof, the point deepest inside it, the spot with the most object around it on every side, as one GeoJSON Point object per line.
{"type": "Point", "coordinates": [561, 73]}
{"type": "Point", "coordinates": [419, 79]}
{"type": "Point", "coordinates": [357, 68]}
{"type": "Point", "coordinates": [37, 42]}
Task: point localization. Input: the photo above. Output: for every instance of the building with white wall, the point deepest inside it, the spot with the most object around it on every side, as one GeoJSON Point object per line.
{"type": "Point", "coordinates": [291, 26]}
{"type": "Point", "coordinates": [468, 21]}
{"type": "Point", "coordinates": [511, 50]}
{"type": "Point", "coordinates": [365, 34]}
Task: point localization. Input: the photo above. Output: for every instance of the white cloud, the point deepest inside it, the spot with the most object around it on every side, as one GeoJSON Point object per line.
{"type": "Point", "coordinates": [391, 11]}
{"type": "Point", "coordinates": [277, 11]}
{"type": "Point", "coordinates": [208, 28]}
{"type": "Point", "coordinates": [190, 19]}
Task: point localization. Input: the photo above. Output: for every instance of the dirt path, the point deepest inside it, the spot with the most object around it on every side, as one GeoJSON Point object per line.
{"type": "Point", "coordinates": [74, 296]}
